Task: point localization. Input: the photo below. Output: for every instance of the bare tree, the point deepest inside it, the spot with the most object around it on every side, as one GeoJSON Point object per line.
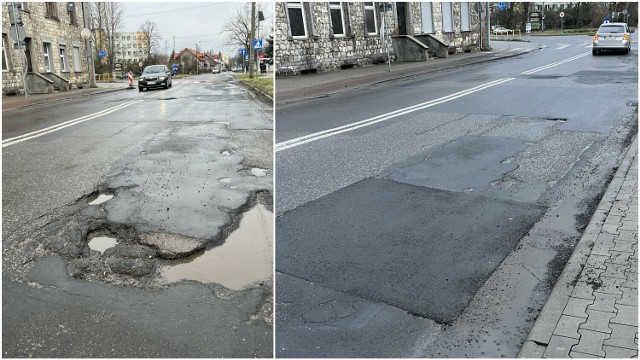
{"type": "Point", "coordinates": [107, 20]}
{"type": "Point", "coordinates": [150, 38]}
{"type": "Point", "coordinates": [238, 28]}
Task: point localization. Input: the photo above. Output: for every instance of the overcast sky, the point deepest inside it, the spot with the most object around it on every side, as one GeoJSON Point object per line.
{"type": "Point", "coordinates": [191, 22]}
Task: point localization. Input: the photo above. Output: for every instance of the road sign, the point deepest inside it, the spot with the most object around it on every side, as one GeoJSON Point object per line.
{"type": "Point", "coordinates": [243, 51]}
{"type": "Point", "coordinates": [606, 20]}
{"type": "Point", "coordinates": [502, 6]}
{"type": "Point", "coordinates": [175, 67]}
{"type": "Point", "coordinates": [101, 53]}
{"type": "Point", "coordinates": [17, 33]}
{"type": "Point", "coordinates": [140, 64]}
{"type": "Point", "coordinates": [257, 44]}
{"type": "Point", "coordinates": [561, 14]}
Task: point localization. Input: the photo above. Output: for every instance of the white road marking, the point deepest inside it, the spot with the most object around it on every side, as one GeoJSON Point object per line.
{"type": "Point", "coordinates": [54, 128]}
{"type": "Point", "coordinates": [563, 47]}
{"type": "Point", "coordinates": [549, 66]}
{"type": "Point", "coordinates": [384, 117]}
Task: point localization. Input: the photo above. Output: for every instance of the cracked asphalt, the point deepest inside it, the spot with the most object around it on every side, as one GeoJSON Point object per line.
{"type": "Point", "coordinates": [183, 165]}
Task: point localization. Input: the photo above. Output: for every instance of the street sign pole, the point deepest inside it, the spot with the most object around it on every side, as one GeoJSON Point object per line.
{"type": "Point", "coordinates": [252, 37]}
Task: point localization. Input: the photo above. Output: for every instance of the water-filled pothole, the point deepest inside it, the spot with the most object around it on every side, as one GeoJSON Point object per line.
{"type": "Point", "coordinates": [245, 258]}
{"type": "Point", "coordinates": [101, 199]}
{"type": "Point", "coordinates": [102, 243]}
{"type": "Point", "coordinates": [258, 172]}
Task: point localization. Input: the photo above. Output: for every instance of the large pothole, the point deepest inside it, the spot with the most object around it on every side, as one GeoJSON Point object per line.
{"type": "Point", "coordinates": [245, 258]}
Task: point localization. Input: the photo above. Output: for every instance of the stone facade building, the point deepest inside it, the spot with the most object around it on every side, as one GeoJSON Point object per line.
{"type": "Point", "coordinates": [55, 55]}
{"type": "Point", "coordinates": [322, 36]}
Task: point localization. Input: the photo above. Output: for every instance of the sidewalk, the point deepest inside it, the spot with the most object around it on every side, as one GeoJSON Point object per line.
{"type": "Point", "coordinates": [20, 101]}
{"type": "Point", "coordinates": [299, 87]}
{"type": "Point", "coordinates": [593, 308]}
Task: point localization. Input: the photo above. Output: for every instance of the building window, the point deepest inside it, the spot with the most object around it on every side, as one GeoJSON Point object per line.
{"type": "Point", "coordinates": [51, 10]}
{"type": "Point", "coordinates": [63, 59]}
{"type": "Point", "coordinates": [427, 17]}
{"type": "Point", "coordinates": [337, 18]}
{"type": "Point", "coordinates": [77, 64]}
{"type": "Point", "coordinates": [72, 17]}
{"type": "Point", "coordinates": [465, 17]}
{"type": "Point", "coordinates": [5, 60]}
{"type": "Point", "coordinates": [297, 22]}
{"type": "Point", "coordinates": [447, 17]}
{"type": "Point", "coordinates": [370, 20]}
{"type": "Point", "coordinates": [48, 57]}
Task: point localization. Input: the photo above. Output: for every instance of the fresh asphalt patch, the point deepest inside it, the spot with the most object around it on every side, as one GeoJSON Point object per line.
{"type": "Point", "coordinates": [423, 250]}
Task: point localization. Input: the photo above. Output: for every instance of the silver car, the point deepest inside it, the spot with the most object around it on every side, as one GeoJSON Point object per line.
{"type": "Point", "coordinates": [612, 36]}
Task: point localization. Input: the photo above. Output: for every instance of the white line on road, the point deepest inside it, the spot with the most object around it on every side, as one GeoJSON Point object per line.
{"type": "Point", "coordinates": [362, 123]}
{"type": "Point", "coordinates": [562, 47]}
{"type": "Point", "coordinates": [545, 67]}
{"type": "Point", "coordinates": [54, 128]}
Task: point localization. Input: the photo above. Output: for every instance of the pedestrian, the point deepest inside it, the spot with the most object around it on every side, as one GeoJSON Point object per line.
{"type": "Point", "coordinates": [263, 68]}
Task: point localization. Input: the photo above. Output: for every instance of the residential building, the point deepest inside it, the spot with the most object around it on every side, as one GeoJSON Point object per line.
{"type": "Point", "coordinates": [189, 61]}
{"type": "Point", "coordinates": [53, 55]}
{"type": "Point", "coordinates": [130, 47]}
{"type": "Point", "coordinates": [322, 36]}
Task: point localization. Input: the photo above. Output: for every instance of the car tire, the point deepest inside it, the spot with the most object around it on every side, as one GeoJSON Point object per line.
{"type": "Point", "coordinates": [140, 88]}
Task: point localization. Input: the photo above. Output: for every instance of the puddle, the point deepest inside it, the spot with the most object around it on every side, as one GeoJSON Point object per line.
{"type": "Point", "coordinates": [245, 258]}
{"type": "Point", "coordinates": [102, 243]}
{"type": "Point", "coordinates": [101, 199]}
{"type": "Point", "coordinates": [258, 172]}
{"type": "Point", "coordinates": [225, 180]}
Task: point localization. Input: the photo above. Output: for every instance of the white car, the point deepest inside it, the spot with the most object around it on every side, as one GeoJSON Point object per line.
{"type": "Point", "coordinates": [501, 30]}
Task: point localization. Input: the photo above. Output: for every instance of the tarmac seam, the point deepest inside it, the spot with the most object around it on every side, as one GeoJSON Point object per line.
{"type": "Point", "coordinates": [541, 332]}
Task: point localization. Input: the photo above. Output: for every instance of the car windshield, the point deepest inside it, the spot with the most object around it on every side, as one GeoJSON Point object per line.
{"type": "Point", "coordinates": [612, 29]}
{"type": "Point", "coordinates": [153, 69]}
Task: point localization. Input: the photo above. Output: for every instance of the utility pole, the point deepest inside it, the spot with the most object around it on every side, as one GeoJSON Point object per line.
{"type": "Point", "coordinates": [251, 39]}
{"type": "Point", "coordinates": [488, 24]}
{"type": "Point", "coordinates": [86, 14]}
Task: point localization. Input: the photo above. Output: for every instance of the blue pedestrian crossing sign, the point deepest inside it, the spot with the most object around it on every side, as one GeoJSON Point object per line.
{"type": "Point", "coordinates": [101, 53]}
{"type": "Point", "coordinates": [257, 44]}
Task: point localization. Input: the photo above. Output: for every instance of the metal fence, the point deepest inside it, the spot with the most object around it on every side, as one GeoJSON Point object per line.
{"type": "Point", "coordinates": [509, 35]}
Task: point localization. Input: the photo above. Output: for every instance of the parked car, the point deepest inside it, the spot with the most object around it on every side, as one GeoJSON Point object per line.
{"type": "Point", "coordinates": [501, 30]}
{"type": "Point", "coordinates": [155, 76]}
{"type": "Point", "coordinates": [612, 36]}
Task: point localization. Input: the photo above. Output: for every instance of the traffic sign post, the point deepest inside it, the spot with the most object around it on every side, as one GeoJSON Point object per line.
{"type": "Point", "coordinates": [561, 21]}
{"type": "Point", "coordinates": [257, 45]}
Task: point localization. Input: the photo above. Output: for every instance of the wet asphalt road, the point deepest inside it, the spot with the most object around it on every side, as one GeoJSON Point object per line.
{"type": "Point", "coordinates": [437, 226]}
{"type": "Point", "coordinates": [161, 153]}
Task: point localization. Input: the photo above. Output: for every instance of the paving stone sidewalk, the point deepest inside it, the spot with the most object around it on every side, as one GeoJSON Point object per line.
{"type": "Point", "coordinates": [597, 315]}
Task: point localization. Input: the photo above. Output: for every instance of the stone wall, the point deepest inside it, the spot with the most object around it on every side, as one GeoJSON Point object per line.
{"type": "Point", "coordinates": [39, 28]}
{"type": "Point", "coordinates": [458, 40]}
{"type": "Point", "coordinates": [321, 51]}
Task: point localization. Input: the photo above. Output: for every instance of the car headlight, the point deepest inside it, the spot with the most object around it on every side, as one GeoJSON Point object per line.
{"type": "Point", "coordinates": [162, 78]}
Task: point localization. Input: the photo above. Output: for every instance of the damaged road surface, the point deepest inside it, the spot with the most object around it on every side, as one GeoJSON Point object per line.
{"type": "Point", "coordinates": [106, 223]}
{"type": "Point", "coordinates": [431, 216]}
